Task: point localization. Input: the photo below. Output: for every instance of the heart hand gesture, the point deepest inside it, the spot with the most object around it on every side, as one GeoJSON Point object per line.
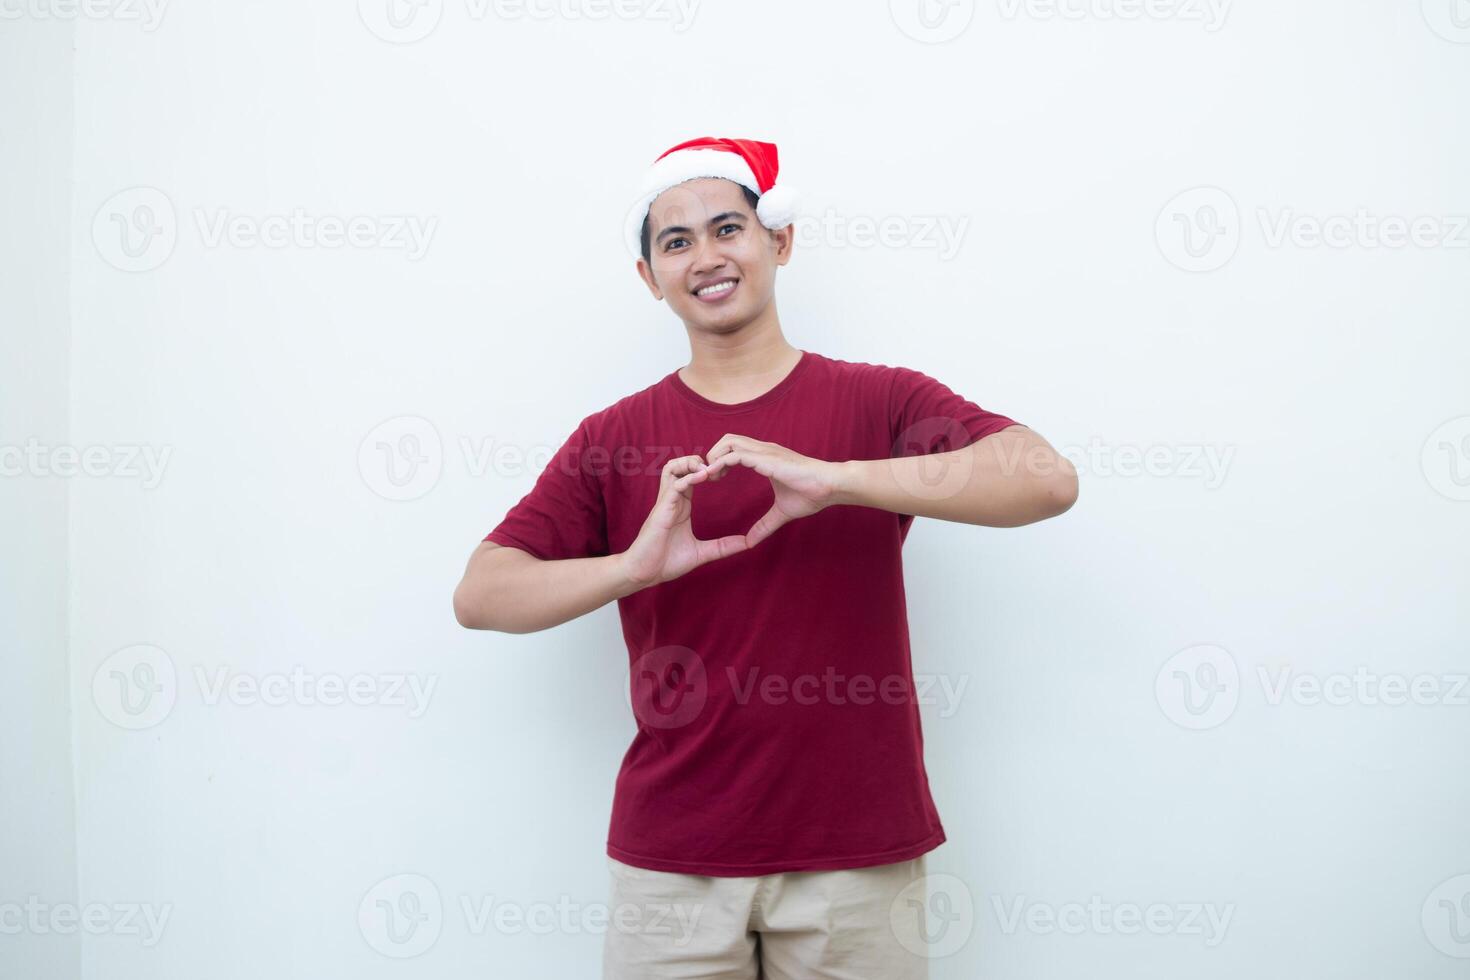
{"type": "Point", "coordinates": [666, 546]}
{"type": "Point", "coordinates": [802, 485]}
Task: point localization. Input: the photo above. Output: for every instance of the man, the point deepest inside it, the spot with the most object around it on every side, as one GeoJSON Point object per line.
{"type": "Point", "coordinates": [747, 513]}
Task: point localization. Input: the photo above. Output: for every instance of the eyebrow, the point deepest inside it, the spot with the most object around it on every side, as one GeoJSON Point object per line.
{"type": "Point", "coordinates": [680, 229]}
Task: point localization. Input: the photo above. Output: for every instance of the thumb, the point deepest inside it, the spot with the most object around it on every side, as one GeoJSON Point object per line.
{"type": "Point", "coordinates": [766, 526]}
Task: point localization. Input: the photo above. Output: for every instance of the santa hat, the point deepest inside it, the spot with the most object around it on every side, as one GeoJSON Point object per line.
{"type": "Point", "coordinates": [749, 163]}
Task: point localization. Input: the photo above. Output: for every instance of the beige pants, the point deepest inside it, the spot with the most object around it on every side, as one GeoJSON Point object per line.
{"type": "Point", "coordinates": [857, 924]}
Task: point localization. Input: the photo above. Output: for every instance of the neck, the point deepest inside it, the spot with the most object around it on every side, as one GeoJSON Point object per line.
{"type": "Point", "coordinates": [742, 364]}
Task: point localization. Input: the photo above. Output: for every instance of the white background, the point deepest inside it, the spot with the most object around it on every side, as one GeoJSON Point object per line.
{"type": "Point", "coordinates": [1075, 146]}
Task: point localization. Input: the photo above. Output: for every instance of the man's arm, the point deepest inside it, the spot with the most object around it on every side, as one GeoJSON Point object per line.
{"type": "Point", "coordinates": [508, 590]}
{"type": "Point", "coordinates": [1006, 479]}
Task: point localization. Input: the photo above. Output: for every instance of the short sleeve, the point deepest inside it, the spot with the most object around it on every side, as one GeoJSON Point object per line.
{"type": "Point", "coordinates": [928, 417]}
{"type": "Point", "coordinates": [564, 515]}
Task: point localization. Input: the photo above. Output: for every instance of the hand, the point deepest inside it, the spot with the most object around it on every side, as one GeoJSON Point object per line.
{"type": "Point", "coordinates": [666, 546]}
{"type": "Point", "coordinates": [803, 485]}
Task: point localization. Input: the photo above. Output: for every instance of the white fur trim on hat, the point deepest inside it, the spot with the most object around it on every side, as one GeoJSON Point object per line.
{"type": "Point", "coordinates": [776, 209]}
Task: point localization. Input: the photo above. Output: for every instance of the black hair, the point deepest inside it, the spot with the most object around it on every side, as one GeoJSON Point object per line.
{"type": "Point", "coordinates": [751, 198]}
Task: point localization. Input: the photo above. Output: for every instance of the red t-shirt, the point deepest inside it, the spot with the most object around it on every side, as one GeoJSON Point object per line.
{"type": "Point", "coordinates": [778, 728]}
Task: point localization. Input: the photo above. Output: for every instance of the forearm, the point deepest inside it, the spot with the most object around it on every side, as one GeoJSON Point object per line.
{"type": "Point", "coordinates": [1007, 479]}
{"type": "Point", "coordinates": [510, 591]}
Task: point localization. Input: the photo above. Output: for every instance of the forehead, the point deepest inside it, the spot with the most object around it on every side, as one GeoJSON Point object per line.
{"type": "Point", "coordinates": [694, 202]}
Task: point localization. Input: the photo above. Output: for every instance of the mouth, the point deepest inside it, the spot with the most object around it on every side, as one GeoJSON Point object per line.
{"type": "Point", "coordinates": [717, 291]}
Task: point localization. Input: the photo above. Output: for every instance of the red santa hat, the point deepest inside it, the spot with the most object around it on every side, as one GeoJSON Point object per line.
{"type": "Point", "coordinates": [750, 163]}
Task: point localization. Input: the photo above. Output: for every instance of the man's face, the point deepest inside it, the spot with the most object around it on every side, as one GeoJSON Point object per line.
{"type": "Point", "coordinates": [703, 233]}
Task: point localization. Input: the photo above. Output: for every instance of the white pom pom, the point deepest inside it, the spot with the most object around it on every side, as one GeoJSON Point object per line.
{"type": "Point", "coordinates": [777, 207]}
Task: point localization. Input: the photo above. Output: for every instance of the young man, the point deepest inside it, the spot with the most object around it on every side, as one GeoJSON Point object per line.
{"type": "Point", "coordinates": [747, 512]}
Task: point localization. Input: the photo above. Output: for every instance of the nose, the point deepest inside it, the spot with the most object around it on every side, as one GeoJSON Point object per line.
{"type": "Point", "coordinates": [708, 256]}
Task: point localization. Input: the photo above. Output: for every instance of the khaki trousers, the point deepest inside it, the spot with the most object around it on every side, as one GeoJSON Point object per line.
{"type": "Point", "coordinates": [856, 924]}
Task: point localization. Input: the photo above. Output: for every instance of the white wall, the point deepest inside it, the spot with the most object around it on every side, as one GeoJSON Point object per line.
{"type": "Point", "coordinates": [38, 857]}
{"type": "Point", "coordinates": [246, 523]}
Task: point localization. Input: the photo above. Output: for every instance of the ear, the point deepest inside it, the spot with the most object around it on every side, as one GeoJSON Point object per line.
{"type": "Point", "coordinates": [785, 239]}
{"type": "Point", "coordinates": [646, 274]}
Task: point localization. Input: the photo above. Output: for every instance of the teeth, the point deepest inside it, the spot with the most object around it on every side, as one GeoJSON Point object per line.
{"type": "Point", "coordinates": [722, 287]}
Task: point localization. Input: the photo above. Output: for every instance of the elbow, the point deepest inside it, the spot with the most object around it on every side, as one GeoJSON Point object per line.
{"type": "Point", "coordinates": [467, 612]}
{"type": "Point", "coordinates": [1059, 492]}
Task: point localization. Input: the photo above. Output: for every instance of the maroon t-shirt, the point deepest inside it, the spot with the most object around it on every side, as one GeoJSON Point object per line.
{"type": "Point", "coordinates": [778, 728]}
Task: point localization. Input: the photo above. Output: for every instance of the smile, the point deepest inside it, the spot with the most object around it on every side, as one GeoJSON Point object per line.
{"type": "Point", "coordinates": [716, 291]}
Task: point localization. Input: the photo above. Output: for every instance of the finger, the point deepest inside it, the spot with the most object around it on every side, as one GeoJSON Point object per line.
{"type": "Point", "coordinates": [728, 443]}
{"type": "Point", "coordinates": [723, 445]}
{"type": "Point", "coordinates": [717, 548]}
{"type": "Point", "coordinates": [689, 479]}
{"type": "Point", "coordinates": [766, 526]}
{"type": "Point", "coordinates": [731, 457]}
{"type": "Point", "coordinates": [677, 467]}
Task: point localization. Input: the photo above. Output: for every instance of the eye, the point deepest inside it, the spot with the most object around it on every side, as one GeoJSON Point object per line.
{"type": "Point", "coordinates": [729, 224]}
{"type": "Point", "coordinates": [670, 243]}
